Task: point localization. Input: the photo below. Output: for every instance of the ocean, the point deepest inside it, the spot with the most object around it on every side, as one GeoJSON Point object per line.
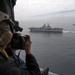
{"type": "Point", "coordinates": [56, 51]}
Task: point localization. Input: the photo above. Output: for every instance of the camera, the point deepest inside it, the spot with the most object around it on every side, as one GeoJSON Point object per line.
{"type": "Point", "coordinates": [17, 41]}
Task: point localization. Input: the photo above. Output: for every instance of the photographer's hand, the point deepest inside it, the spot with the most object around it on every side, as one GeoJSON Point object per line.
{"type": "Point", "coordinates": [28, 47]}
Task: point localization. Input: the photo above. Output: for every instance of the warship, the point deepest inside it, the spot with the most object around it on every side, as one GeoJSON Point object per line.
{"type": "Point", "coordinates": [73, 24]}
{"type": "Point", "coordinates": [45, 28]}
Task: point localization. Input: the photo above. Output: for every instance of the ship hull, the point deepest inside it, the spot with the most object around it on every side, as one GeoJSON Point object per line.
{"type": "Point", "coordinates": [45, 30]}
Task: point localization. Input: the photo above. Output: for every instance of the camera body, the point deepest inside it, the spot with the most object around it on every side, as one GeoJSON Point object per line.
{"type": "Point", "coordinates": [18, 41]}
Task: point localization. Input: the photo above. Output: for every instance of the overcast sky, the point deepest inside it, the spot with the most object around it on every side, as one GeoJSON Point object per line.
{"type": "Point", "coordinates": [27, 8]}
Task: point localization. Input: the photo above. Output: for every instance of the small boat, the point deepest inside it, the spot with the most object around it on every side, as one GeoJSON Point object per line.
{"type": "Point", "coordinates": [47, 72]}
{"type": "Point", "coordinates": [73, 24]}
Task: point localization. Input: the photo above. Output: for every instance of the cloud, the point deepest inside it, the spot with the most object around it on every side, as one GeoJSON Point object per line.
{"type": "Point", "coordinates": [36, 7]}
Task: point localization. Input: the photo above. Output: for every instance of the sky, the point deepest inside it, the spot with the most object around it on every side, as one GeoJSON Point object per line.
{"type": "Point", "coordinates": [29, 8]}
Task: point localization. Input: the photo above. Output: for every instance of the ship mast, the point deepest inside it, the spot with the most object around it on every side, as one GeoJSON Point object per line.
{"type": "Point", "coordinates": [48, 25]}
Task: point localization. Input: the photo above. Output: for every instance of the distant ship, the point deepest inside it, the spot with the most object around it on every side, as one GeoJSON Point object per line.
{"type": "Point", "coordinates": [73, 24]}
{"type": "Point", "coordinates": [45, 28]}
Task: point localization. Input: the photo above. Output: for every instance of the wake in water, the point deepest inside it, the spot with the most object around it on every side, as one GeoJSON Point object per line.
{"type": "Point", "coordinates": [68, 31]}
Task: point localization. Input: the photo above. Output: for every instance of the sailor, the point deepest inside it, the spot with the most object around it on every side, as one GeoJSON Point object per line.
{"type": "Point", "coordinates": [6, 66]}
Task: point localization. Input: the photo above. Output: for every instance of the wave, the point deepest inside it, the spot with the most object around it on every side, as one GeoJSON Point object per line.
{"type": "Point", "coordinates": [68, 31]}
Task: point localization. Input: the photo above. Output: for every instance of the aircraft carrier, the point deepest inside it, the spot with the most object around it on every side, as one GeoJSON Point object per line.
{"type": "Point", "coordinates": [45, 28]}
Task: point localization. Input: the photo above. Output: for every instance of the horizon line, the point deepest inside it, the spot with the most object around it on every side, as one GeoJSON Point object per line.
{"type": "Point", "coordinates": [65, 11]}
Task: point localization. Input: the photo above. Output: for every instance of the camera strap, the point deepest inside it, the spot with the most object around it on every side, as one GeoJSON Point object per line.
{"type": "Point", "coordinates": [19, 53]}
{"type": "Point", "coordinates": [3, 52]}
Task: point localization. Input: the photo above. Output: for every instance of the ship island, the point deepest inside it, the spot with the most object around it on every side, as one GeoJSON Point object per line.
{"type": "Point", "coordinates": [46, 28]}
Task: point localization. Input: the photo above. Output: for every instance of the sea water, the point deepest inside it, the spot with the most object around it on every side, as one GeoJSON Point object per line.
{"type": "Point", "coordinates": [56, 51]}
